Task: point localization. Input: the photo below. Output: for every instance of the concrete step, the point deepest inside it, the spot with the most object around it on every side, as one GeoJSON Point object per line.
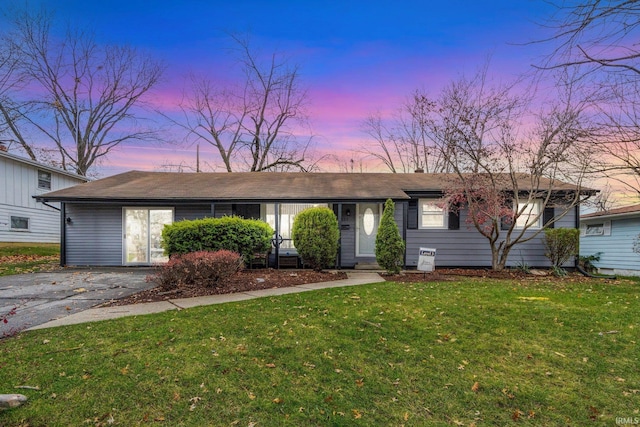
{"type": "Point", "coordinates": [367, 266]}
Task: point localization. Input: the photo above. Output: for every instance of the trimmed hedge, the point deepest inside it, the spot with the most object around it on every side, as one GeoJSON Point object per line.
{"type": "Point", "coordinates": [316, 235]}
{"type": "Point", "coordinates": [244, 236]}
{"type": "Point", "coordinates": [202, 269]}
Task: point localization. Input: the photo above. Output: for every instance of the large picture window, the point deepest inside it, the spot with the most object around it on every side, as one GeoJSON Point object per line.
{"type": "Point", "coordinates": [432, 214]}
{"type": "Point", "coordinates": [530, 216]}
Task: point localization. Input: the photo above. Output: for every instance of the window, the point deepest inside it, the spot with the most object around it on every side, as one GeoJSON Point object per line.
{"type": "Point", "coordinates": [432, 214]}
{"type": "Point", "coordinates": [288, 212]}
{"type": "Point", "coordinates": [19, 223]}
{"type": "Point", "coordinates": [595, 230]}
{"type": "Point", "coordinates": [44, 180]}
{"type": "Point", "coordinates": [530, 215]}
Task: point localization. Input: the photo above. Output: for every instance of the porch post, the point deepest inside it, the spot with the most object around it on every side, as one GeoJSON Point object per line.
{"type": "Point", "coordinates": [339, 260]}
{"type": "Point", "coordinates": [405, 218]}
{"type": "Point", "coordinates": [276, 214]}
{"type": "Point", "coordinates": [63, 235]}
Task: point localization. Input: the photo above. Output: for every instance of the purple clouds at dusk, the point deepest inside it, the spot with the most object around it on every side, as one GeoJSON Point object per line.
{"type": "Point", "coordinates": [355, 57]}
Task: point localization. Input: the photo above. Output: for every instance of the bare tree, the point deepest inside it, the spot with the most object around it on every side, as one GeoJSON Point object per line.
{"type": "Point", "coordinates": [83, 97]}
{"type": "Point", "coordinates": [507, 175]}
{"type": "Point", "coordinates": [403, 143]}
{"type": "Point", "coordinates": [253, 126]}
{"type": "Point", "coordinates": [597, 35]}
{"type": "Point", "coordinates": [598, 39]}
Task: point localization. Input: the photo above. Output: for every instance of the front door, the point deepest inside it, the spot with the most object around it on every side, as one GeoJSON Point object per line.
{"type": "Point", "coordinates": [367, 228]}
{"type": "Point", "coordinates": [143, 234]}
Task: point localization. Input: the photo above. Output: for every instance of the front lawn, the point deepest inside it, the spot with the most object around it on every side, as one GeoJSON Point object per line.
{"type": "Point", "coordinates": [17, 258]}
{"type": "Point", "coordinates": [470, 352]}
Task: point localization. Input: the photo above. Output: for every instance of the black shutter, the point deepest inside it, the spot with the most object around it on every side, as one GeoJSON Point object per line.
{"type": "Point", "coordinates": [505, 223]}
{"type": "Point", "coordinates": [412, 214]}
{"type": "Point", "coordinates": [454, 219]}
{"type": "Point", "coordinates": [547, 215]}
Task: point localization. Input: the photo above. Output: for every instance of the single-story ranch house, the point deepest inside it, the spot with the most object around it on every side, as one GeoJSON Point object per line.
{"type": "Point", "coordinates": [118, 220]}
{"type": "Point", "coordinates": [612, 234]}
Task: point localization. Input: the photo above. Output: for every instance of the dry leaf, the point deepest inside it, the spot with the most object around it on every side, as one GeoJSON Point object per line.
{"type": "Point", "coordinates": [277, 400]}
{"type": "Point", "coordinates": [356, 414]}
{"type": "Point", "coordinates": [516, 414]}
{"type": "Point", "coordinates": [252, 396]}
{"type": "Point", "coordinates": [475, 387]}
{"type": "Point", "coordinates": [270, 365]}
{"type": "Point", "coordinates": [360, 382]}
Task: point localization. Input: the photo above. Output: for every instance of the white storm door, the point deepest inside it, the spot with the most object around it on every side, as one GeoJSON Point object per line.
{"type": "Point", "coordinates": [143, 234]}
{"type": "Point", "coordinates": [367, 228]}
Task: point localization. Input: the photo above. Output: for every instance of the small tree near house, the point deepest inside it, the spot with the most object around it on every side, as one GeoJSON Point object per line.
{"type": "Point", "coordinates": [389, 244]}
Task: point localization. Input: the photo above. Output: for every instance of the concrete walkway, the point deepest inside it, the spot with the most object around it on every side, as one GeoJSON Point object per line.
{"type": "Point", "coordinates": [354, 278]}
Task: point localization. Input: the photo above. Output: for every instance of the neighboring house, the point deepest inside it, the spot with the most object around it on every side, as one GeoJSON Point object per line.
{"type": "Point", "coordinates": [118, 220]}
{"type": "Point", "coordinates": [613, 235]}
{"type": "Point", "coordinates": [22, 218]}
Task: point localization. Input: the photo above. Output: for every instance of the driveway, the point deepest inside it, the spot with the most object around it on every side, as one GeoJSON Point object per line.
{"type": "Point", "coordinates": [41, 297]}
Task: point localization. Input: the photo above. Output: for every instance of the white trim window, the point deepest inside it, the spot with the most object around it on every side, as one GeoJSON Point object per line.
{"type": "Point", "coordinates": [44, 180]}
{"type": "Point", "coordinates": [19, 223]}
{"type": "Point", "coordinates": [432, 214]}
{"type": "Point", "coordinates": [531, 215]}
{"type": "Point", "coordinates": [596, 229]}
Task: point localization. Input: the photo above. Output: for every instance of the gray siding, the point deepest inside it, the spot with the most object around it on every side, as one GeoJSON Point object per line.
{"type": "Point", "coordinates": [617, 249]}
{"type": "Point", "coordinates": [223, 210]}
{"type": "Point", "coordinates": [466, 247]}
{"type": "Point", "coordinates": [192, 212]}
{"type": "Point", "coordinates": [95, 235]}
{"type": "Point", "coordinates": [348, 236]}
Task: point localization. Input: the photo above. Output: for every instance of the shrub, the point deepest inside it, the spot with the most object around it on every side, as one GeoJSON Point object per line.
{"type": "Point", "coordinates": [389, 243]}
{"type": "Point", "coordinates": [561, 244]}
{"type": "Point", "coordinates": [244, 236]}
{"type": "Point", "coordinates": [201, 268]}
{"type": "Point", "coordinates": [316, 235]}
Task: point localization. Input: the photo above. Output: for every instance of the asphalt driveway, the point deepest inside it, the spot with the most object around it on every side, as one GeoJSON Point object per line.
{"type": "Point", "coordinates": [41, 297]}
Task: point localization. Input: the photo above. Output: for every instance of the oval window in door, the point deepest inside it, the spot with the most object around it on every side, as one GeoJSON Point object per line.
{"type": "Point", "coordinates": [368, 221]}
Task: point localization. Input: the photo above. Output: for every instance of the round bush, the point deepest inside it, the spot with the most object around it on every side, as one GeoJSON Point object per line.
{"type": "Point", "coordinates": [316, 235]}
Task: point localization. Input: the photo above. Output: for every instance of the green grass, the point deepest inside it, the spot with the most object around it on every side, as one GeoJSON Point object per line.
{"type": "Point", "coordinates": [474, 352]}
{"type": "Point", "coordinates": [16, 258]}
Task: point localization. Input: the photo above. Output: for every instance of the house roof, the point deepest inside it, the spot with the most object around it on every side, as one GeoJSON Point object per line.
{"type": "Point", "coordinates": [42, 166]}
{"type": "Point", "coordinates": [137, 186]}
{"type": "Point", "coordinates": [624, 211]}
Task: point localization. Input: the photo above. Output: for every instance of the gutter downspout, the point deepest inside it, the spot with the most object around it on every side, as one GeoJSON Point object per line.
{"type": "Point", "coordinates": [405, 218]}
{"type": "Point", "coordinates": [63, 235]}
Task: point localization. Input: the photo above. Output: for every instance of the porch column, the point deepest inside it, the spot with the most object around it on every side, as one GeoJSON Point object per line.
{"type": "Point", "coordinates": [63, 234]}
{"type": "Point", "coordinates": [339, 260]}
{"type": "Point", "coordinates": [405, 218]}
{"type": "Point", "coordinates": [276, 213]}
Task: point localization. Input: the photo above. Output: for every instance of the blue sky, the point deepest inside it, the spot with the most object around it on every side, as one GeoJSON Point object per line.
{"type": "Point", "coordinates": [356, 57]}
